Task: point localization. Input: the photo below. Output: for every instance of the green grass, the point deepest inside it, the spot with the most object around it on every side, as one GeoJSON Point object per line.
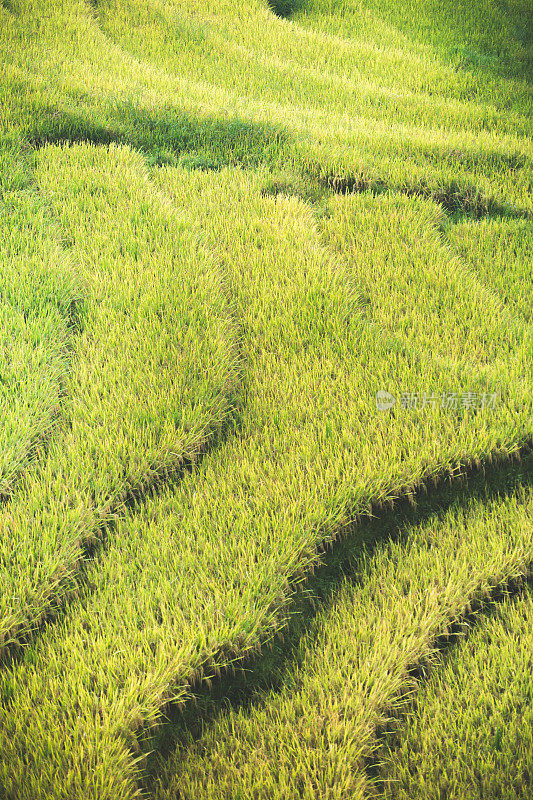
{"type": "Point", "coordinates": [356, 111]}
{"type": "Point", "coordinates": [500, 252]}
{"type": "Point", "coordinates": [469, 733]}
{"type": "Point", "coordinates": [151, 378]}
{"type": "Point", "coordinates": [313, 736]}
{"type": "Point", "coordinates": [502, 46]}
{"type": "Point", "coordinates": [270, 213]}
{"type": "Point", "coordinates": [38, 311]}
{"type": "Point", "coordinates": [216, 554]}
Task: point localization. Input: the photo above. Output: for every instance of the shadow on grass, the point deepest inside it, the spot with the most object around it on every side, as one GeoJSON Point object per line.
{"type": "Point", "coordinates": [285, 8]}
{"type": "Point", "coordinates": [168, 138]}
{"type": "Point", "coordinates": [459, 200]}
{"type": "Point", "coordinates": [9, 6]}
{"type": "Point", "coordinates": [79, 585]}
{"type": "Point", "coordinates": [388, 737]}
{"type": "Point", "coordinates": [244, 686]}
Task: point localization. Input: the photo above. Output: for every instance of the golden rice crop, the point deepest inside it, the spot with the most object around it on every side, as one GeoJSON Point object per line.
{"type": "Point", "coordinates": [277, 214]}
{"type": "Point", "coordinates": [151, 376]}
{"type": "Point", "coordinates": [201, 573]}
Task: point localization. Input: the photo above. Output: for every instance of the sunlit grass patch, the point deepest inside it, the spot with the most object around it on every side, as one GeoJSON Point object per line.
{"type": "Point", "coordinates": [500, 251]}
{"type": "Point", "coordinates": [38, 294]}
{"type": "Point", "coordinates": [203, 572]}
{"type": "Point", "coordinates": [469, 731]}
{"type": "Point", "coordinates": [151, 377]}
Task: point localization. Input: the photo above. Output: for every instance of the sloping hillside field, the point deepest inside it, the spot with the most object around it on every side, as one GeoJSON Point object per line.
{"type": "Point", "coordinates": [266, 381]}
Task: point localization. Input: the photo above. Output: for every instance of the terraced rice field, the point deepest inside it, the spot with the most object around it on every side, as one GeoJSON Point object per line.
{"type": "Point", "coordinates": [266, 472]}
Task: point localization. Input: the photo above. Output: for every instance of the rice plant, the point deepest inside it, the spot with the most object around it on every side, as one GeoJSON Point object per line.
{"type": "Point", "coordinates": [469, 731]}
{"type": "Point", "coordinates": [315, 736]}
{"type": "Point", "coordinates": [216, 555]}
{"type": "Point", "coordinates": [265, 269]}
{"type": "Point", "coordinates": [39, 309]}
{"type": "Point", "coordinates": [151, 377]}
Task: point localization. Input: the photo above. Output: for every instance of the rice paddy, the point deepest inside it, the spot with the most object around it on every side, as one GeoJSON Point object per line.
{"type": "Point", "coordinates": [475, 743]}
{"type": "Point", "coordinates": [265, 313]}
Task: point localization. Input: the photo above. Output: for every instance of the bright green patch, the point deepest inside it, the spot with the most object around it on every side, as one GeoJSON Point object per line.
{"type": "Point", "coordinates": [470, 732]}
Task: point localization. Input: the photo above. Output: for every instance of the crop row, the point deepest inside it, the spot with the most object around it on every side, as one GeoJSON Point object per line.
{"type": "Point", "coordinates": [164, 80]}
{"type": "Point", "coordinates": [313, 738]}
{"type": "Point", "coordinates": [151, 373]}
{"type": "Point", "coordinates": [201, 573]}
{"type": "Point", "coordinates": [470, 731]}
